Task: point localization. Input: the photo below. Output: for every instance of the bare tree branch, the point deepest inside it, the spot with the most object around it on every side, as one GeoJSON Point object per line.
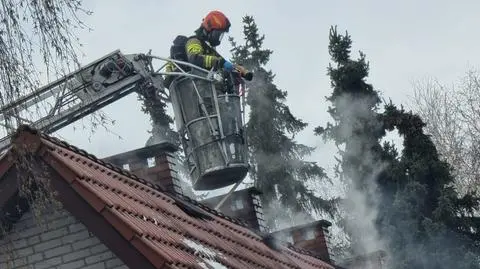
{"type": "Point", "coordinates": [452, 114]}
{"type": "Point", "coordinates": [38, 42]}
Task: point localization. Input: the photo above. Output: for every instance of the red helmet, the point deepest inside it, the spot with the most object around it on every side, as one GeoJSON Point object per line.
{"type": "Point", "coordinates": [216, 20]}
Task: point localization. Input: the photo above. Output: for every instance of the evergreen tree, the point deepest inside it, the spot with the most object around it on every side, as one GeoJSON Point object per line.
{"type": "Point", "coordinates": [277, 160]}
{"type": "Point", "coordinates": [427, 224]}
{"type": "Point", "coordinates": [155, 107]}
{"type": "Point", "coordinates": [420, 216]}
{"type": "Point", "coordinates": [356, 129]}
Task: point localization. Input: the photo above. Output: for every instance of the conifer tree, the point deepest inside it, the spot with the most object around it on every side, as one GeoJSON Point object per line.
{"type": "Point", "coordinates": [421, 220]}
{"type": "Point", "coordinates": [427, 224]}
{"type": "Point", "coordinates": [278, 163]}
{"type": "Point", "coordinates": [155, 107]}
{"type": "Point", "coordinates": [356, 132]}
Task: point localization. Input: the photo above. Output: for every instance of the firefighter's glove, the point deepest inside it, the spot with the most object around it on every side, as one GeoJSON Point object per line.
{"type": "Point", "coordinates": [241, 69]}
{"type": "Point", "coordinates": [228, 66]}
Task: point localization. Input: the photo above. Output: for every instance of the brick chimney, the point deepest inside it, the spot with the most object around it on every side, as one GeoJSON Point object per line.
{"type": "Point", "coordinates": [374, 260]}
{"type": "Point", "coordinates": [311, 237]}
{"type": "Point", "coordinates": [244, 205]}
{"type": "Point", "coordinates": [155, 163]}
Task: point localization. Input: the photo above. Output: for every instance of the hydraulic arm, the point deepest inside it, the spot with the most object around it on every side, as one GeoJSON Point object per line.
{"type": "Point", "coordinates": [80, 93]}
{"type": "Point", "coordinates": [209, 116]}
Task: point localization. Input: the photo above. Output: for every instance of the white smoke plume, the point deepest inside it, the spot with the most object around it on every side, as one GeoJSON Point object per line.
{"type": "Point", "coordinates": [285, 218]}
{"type": "Point", "coordinates": [361, 201]}
{"type": "Point", "coordinates": [362, 211]}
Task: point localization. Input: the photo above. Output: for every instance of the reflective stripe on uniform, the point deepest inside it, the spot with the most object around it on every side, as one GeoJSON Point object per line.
{"type": "Point", "coordinates": [208, 61]}
{"type": "Point", "coordinates": [199, 55]}
{"type": "Point", "coordinates": [194, 47]}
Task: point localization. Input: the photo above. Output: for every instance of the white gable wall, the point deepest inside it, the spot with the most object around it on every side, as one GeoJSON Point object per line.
{"type": "Point", "coordinates": [64, 243]}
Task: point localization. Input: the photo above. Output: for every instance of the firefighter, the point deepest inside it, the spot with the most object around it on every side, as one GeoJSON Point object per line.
{"type": "Point", "coordinates": [199, 49]}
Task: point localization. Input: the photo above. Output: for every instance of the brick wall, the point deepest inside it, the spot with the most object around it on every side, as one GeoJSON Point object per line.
{"type": "Point", "coordinates": [243, 204]}
{"type": "Point", "coordinates": [311, 236]}
{"type": "Point", "coordinates": [63, 243]}
{"type": "Point", "coordinates": [155, 163]}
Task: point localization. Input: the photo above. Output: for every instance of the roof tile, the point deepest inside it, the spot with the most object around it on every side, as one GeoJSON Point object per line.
{"type": "Point", "coordinates": [157, 225]}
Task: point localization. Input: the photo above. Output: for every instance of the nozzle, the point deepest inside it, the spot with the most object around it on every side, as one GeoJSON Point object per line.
{"type": "Point", "coordinates": [244, 72]}
{"type": "Point", "coordinates": [248, 76]}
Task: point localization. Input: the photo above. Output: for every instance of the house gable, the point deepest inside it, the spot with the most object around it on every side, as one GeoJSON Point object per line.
{"type": "Point", "coordinates": [144, 225]}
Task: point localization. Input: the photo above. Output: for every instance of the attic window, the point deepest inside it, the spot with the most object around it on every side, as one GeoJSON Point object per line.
{"type": "Point", "coordinates": [151, 162]}
{"type": "Point", "coordinates": [126, 166]}
{"type": "Point", "coordinates": [309, 234]}
{"type": "Point", "coordinates": [237, 204]}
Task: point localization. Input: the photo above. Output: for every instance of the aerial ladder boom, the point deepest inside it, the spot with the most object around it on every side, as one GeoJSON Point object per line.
{"type": "Point", "coordinates": [208, 106]}
{"type": "Point", "coordinates": [80, 93]}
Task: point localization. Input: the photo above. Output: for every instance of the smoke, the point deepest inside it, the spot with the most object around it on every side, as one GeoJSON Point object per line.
{"type": "Point", "coordinates": [284, 217]}
{"type": "Point", "coordinates": [362, 209]}
{"type": "Point", "coordinates": [261, 94]}
{"type": "Point", "coordinates": [361, 201]}
{"type": "Point", "coordinates": [404, 243]}
{"type": "Point", "coordinates": [271, 116]}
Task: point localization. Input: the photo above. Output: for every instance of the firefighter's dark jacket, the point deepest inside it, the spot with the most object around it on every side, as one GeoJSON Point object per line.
{"type": "Point", "coordinates": [202, 55]}
{"type": "Point", "coordinates": [199, 54]}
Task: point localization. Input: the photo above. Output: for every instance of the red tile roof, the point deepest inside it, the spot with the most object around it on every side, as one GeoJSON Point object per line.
{"type": "Point", "coordinates": [153, 221]}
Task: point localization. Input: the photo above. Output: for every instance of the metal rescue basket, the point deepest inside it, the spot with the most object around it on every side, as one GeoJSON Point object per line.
{"type": "Point", "coordinates": [210, 116]}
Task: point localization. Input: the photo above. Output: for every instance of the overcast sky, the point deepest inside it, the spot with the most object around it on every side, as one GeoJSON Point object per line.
{"type": "Point", "coordinates": [403, 40]}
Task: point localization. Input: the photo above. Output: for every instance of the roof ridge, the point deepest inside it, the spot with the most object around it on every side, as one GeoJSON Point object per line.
{"type": "Point", "coordinates": [157, 187]}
